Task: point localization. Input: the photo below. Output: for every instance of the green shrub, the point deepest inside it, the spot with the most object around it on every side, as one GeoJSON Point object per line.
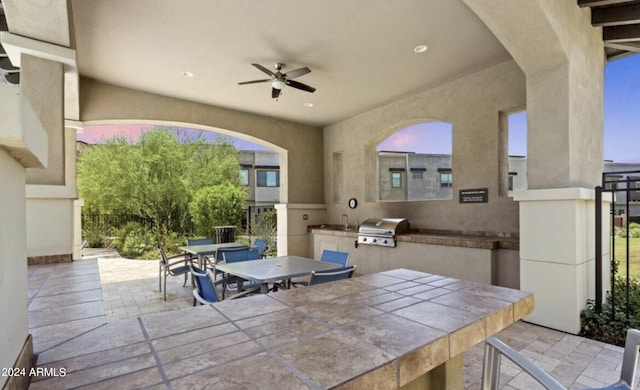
{"type": "Point", "coordinates": [634, 230]}
{"type": "Point", "coordinates": [169, 241]}
{"type": "Point", "coordinates": [599, 325]}
{"type": "Point", "coordinates": [134, 239]}
{"type": "Point", "coordinates": [97, 235]}
{"type": "Point", "coordinates": [267, 228]}
{"type": "Point", "coordinates": [138, 241]}
{"type": "Point", "coordinates": [219, 205]}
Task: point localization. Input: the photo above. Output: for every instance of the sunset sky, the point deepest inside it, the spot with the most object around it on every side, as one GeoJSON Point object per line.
{"type": "Point", "coordinates": [621, 123]}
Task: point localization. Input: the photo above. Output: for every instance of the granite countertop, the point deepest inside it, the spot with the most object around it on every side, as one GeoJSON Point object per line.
{"type": "Point", "coordinates": [433, 237]}
{"type": "Point", "coordinates": [380, 330]}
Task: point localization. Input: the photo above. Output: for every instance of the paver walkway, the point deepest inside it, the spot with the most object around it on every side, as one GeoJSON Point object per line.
{"type": "Point", "coordinates": [85, 317]}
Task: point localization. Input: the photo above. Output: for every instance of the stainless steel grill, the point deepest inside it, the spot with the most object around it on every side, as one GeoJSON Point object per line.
{"type": "Point", "coordinates": [382, 231]}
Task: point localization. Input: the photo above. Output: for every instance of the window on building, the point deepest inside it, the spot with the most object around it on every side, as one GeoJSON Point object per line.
{"type": "Point", "coordinates": [244, 177]}
{"type": "Point", "coordinates": [446, 179]}
{"type": "Point", "coordinates": [517, 150]}
{"type": "Point", "coordinates": [413, 152]}
{"type": "Point", "coordinates": [396, 180]}
{"type": "Point", "coordinates": [267, 178]}
{"type": "Point", "coordinates": [511, 181]}
{"type": "Point", "coordinates": [418, 173]}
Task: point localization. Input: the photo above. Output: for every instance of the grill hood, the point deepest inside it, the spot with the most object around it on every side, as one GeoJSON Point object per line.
{"type": "Point", "coordinates": [382, 231]}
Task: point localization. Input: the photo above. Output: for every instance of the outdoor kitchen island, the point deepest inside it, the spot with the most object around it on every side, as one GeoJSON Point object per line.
{"type": "Point", "coordinates": [485, 258]}
{"type": "Point", "coordinates": [394, 329]}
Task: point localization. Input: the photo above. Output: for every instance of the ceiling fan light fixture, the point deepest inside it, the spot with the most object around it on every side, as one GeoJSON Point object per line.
{"type": "Point", "coordinates": [420, 49]}
{"type": "Point", "coordinates": [277, 84]}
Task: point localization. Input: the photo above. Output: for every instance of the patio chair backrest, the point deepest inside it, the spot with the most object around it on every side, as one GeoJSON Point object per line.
{"type": "Point", "coordinates": [331, 276]}
{"type": "Point", "coordinates": [221, 251]}
{"type": "Point", "coordinates": [199, 241]}
{"type": "Point", "coordinates": [243, 255]}
{"type": "Point", "coordinates": [205, 285]}
{"type": "Point", "coordinates": [163, 257]}
{"type": "Point", "coordinates": [261, 245]}
{"type": "Point", "coordinates": [340, 258]}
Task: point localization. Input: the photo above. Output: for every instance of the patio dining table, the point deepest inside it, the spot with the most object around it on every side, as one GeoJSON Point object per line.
{"type": "Point", "coordinates": [274, 269]}
{"type": "Point", "coordinates": [210, 249]}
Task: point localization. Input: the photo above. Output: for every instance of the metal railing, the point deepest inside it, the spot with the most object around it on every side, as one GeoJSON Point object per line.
{"type": "Point", "coordinates": [626, 185]}
{"type": "Point", "coordinates": [113, 220]}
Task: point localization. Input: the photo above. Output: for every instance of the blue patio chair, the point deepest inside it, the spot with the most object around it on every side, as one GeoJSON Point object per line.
{"type": "Point", "coordinates": [205, 293]}
{"type": "Point", "coordinates": [261, 245]}
{"type": "Point", "coordinates": [340, 258]}
{"type": "Point", "coordinates": [495, 348]}
{"type": "Point", "coordinates": [331, 276]}
{"type": "Point", "coordinates": [211, 264]}
{"type": "Point", "coordinates": [328, 256]}
{"type": "Point", "coordinates": [236, 257]}
{"type": "Point", "coordinates": [169, 266]}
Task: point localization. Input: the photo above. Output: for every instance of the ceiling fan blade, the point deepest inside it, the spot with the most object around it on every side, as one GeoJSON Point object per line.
{"type": "Point", "coordinates": [265, 70]}
{"type": "Point", "coordinates": [292, 74]}
{"type": "Point", "coordinates": [299, 85]}
{"type": "Point", "coordinates": [5, 64]}
{"type": "Point", "coordinates": [254, 81]}
{"type": "Point", "coordinates": [275, 93]}
{"type": "Point", "coordinates": [13, 78]}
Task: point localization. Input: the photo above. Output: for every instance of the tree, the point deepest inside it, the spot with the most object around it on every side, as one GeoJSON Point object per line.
{"type": "Point", "coordinates": [154, 178]}
{"type": "Point", "coordinates": [217, 206]}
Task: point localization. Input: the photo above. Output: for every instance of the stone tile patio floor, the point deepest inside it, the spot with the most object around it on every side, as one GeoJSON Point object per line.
{"type": "Point", "coordinates": [85, 317]}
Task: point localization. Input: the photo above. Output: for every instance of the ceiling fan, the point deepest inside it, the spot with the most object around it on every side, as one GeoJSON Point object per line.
{"type": "Point", "coordinates": [279, 80]}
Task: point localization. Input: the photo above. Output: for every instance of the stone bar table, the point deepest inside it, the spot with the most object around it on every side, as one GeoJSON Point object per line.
{"type": "Point", "coordinates": [394, 329]}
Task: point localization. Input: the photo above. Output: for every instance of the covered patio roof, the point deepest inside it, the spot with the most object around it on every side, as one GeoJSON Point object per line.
{"type": "Point", "coordinates": [620, 22]}
{"type": "Point", "coordinates": [359, 56]}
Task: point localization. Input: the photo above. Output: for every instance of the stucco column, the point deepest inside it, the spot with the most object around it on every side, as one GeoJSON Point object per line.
{"type": "Point", "coordinates": [563, 60]}
{"type": "Point", "coordinates": [23, 143]}
{"type": "Point", "coordinates": [293, 219]}
{"type": "Point", "coordinates": [51, 191]}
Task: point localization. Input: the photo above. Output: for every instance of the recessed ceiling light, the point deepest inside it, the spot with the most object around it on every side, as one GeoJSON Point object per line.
{"type": "Point", "coordinates": [420, 49]}
{"type": "Point", "coordinates": [187, 74]}
{"type": "Point", "coordinates": [308, 105]}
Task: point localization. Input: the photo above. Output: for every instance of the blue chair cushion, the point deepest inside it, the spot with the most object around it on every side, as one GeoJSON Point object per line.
{"type": "Point", "coordinates": [180, 270]}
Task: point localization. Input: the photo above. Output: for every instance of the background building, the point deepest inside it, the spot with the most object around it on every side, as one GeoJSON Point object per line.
{"type": "Point", "coordinates": [260, 174]}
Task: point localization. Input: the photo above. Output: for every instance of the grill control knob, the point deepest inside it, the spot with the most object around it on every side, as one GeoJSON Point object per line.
{"type": "Point", "coordinates": [374, 240]}
{"type": "Point", "coordinates": [384, 242]}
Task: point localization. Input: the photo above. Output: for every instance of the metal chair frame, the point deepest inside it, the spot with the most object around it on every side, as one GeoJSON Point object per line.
{"type": "Point", "coordinates": [331, 276]}
{"type": "Point", "coordinates": [168, 267]}
{"type": "Point", "coordinates": [495, 348]}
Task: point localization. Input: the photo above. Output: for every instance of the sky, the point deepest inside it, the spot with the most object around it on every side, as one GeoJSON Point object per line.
{"type": "Point", "coordinates": [621, 123]}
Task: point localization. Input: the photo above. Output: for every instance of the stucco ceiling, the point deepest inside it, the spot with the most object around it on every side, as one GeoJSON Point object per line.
{"type": "Point", "coordinates": [360, 51]}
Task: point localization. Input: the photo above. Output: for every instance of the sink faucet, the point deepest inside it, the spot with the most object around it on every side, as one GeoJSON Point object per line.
{"type": "Point", "coordinates": [345, 216]}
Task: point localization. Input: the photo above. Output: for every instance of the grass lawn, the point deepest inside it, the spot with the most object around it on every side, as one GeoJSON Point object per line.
{"type": "Point", "coordinates": [634, 256]}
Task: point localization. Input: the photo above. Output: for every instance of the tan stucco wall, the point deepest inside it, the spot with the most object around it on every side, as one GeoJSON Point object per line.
{"type": "Point", "coordinates": [563, 62]}
{"type": "Point", "coordinates": [13, 258]}
{"type": "Point", "coordinates": [50, 220]}
{"type": "Point", "coordinates": [300, 146]}
{"type": "Point", "coordinates": [472, 105]}
{"type": "Point", "coordinates": [42, 86]}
